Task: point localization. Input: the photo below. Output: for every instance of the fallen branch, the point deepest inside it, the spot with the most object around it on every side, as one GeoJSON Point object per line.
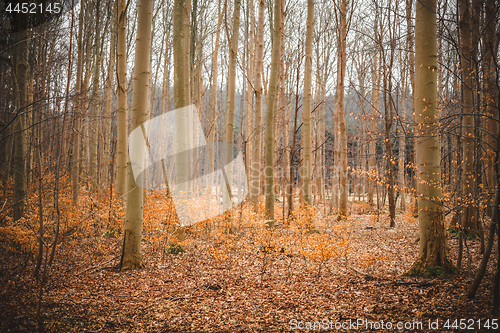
{"type": "Point", "coordinates": [96, 267]}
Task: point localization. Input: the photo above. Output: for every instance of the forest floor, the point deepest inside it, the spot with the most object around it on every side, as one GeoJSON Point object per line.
{"type": "Point", "coordinates": [345, 275]}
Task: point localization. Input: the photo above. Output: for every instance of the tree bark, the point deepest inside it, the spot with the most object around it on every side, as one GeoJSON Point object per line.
{"type": "Point", "coordinates": [131, 254]}
{"type": "Point", "coordinates": [270, 117]}
{"type": "Point", "coordinates": [372, 144]}
{"type": "Point", "coordinates": [433, 245]}
{"type": "Point", "coordinates": [305, 172]}
{"type": "Point", "coordinates": [121, 100]}
{"type": "Point", "coordinates": [339, 109]}
{"type": "Point", "coordinates": [468, 184]}
{"type": "Point", "coordinates": [75, 170]}
{"type": "Point", "coordinates": [107, 104]}
{"type": "Point", "coordinates": [257, 125]}
{"type": "Point", "coordinates": [21, 81]}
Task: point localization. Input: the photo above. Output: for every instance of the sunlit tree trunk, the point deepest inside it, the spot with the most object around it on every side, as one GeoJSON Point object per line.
{"type": "Point", "coordinates": [131, 254]}
{"type": "Point", "coordinates": [433, 246]}
{"type": "Point", "coordinates": [270, 116]}
{"type": "Point", "coordinates": [305, 173]}
{"type": "Point", "coordinates": [121, 100]}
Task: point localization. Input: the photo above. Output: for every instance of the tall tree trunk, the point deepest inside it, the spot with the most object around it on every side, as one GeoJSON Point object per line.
{"type": "Point", "coordinates": [21, 84]}
{"type": "Point", "coordinates": [489, 101]}
{"type": "Point", "coordinates": [294, 139]}
{"type": "Point", "coordinates": [402, 141]}
{"type": "Point", "coordinates": [107, 103]}
{"type": "Point", "coordinates": [248, 92]}
{"type": "Point", "coordinates": [75, 170]}
{"type": "Point", "coordinates": [389, 114]}
{"type": "Point", "coordinates": [468, 184]}
{"type": "Point", "coordinates": [231, 88]}
{"type": "Point", "coordinates": [339, 109]}
{"type": "Point", "coordinates": [433, 246]}
{"type": "Point", "coordinates": [410, 41]}
{"type": "Point", "coordinates": [372, 144]}
{"type": "Point", "coordinates": [121, 100]}
{"type": "Point", "coordinates": [270, 116]}
{"type": "Point", "coordinates": [182, 97]}
{"type": "Point", "coordinates": [305, 173]}
{"type": "Point", "coordinates": [131, 254]}
{"type": "Point", "coordinates": [213, 118]}
{"type": "Point", "coordinates": [93, 123]}
{"type": "Point", "coordinates": [256, 144]}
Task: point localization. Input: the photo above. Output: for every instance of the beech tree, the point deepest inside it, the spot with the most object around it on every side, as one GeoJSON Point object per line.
{"type": "Point", "coordinates": [121, 97]}
{"type": "Point", "coordinates": [469, 181]}
{"type": "Point", "coordinates": [433, 245]}
{"type": "Point", "coordinates": [257, 118]}
{"type": "Point", "coordinates": [306, 113]}
{"type": "Point", "coordinates": [270, 116]}
{"type": "Point", "coordinates": [340, 112]}
{"type": "Point", "coordinates": [132, 234]}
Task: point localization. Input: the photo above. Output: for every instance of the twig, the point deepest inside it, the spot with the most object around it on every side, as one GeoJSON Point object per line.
{"type": "Point", "coordinates": [368, 276]}
{"type": "Point", "coordinates": [1, 210]}
{"type": "Point", "coordinates": [188, 296]}
{"type": "Point", "coordinates": [96, 266]}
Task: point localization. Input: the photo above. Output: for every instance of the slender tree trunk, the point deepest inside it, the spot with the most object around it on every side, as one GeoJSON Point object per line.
{"type": "Point", "coordinates": [182, 97]}
{"type": "Point", "coordinates": [389, 114]}
{"type": "Point", "coordinates": [339, 109]}
{"type": "Point", "coordinates": [433, 245]}
{"type": "Point", "coordinates": [372, 144]}
{"type": "Point", "coordinates": [93, 123]}
{"type": "Point", "coordinates": [411, 64]}
{"type": "Point", "coordinates": [305, 173]}
{"type": "Point", "coordinates": [402, 155]}
{"type": "Point", "coordinates": [131, 254]}
{"type": "Point", "coordinates": [486, 256]}
{"type": "Point", "coordinates": [294, 140]}
{"type": "Point", "coordinates": [75, 171]}
{"type": "Point", "coordinates": [121, 99]}
{"type": "Point", "coordinates": [270, 116]}
{"type": "Point", "coordinates": [165, 94]}
{"type": "Point", "coordinates": [107, 106]}
{"type": "Point", "coordinates": [231, 88]}
{"type": "Point", "coordinates": [256, 144]}
{"type": "Point", "coordinates": [249, 92]}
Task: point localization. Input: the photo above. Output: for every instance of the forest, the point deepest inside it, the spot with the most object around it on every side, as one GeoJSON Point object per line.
{"type": "Point", "coordinates": [249, 166]}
